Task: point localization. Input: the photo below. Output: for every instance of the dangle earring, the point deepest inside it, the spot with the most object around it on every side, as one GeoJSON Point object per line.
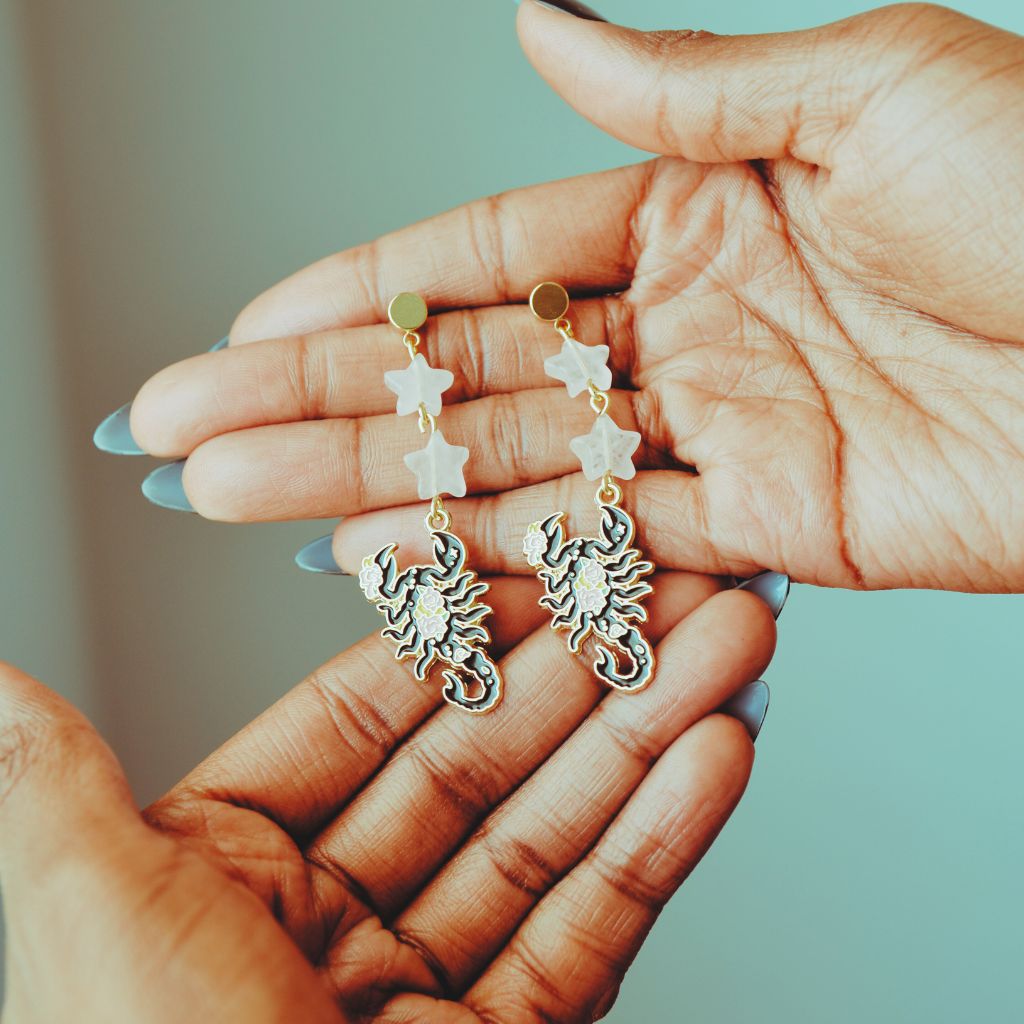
{"type": "Point", "coordinates": [433, 611]}
{"type": "Point", "coordinates": [593, 584]}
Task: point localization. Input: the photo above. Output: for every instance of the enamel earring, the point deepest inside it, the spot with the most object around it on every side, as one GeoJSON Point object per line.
{"type": "Point", "coordinates": [593, 585]}
{"type": "Point", "coordinates": [433, 612]}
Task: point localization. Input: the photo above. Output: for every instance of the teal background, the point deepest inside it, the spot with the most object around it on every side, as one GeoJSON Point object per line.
{"type": "Point", "coordinates": [162, 163]}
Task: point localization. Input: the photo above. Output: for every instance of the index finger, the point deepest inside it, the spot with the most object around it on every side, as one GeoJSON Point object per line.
{"type": "Point", "coordinates": [579, 231]}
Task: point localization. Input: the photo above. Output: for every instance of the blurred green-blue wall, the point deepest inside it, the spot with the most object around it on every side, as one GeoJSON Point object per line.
{"type": "Point", "coordinates": [168, 161]}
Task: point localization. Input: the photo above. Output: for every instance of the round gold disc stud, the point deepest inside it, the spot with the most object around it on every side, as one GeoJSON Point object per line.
{"type": "Point", "coordinates": [549, 301]}
{"type": "Point", "coordinates": [408, 311]}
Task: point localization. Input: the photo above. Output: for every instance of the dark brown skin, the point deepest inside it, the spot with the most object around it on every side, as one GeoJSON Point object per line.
{"type": "Point", "coordinates": [813, 298]}
{"type": "Point", "coordinates": [365, 852]}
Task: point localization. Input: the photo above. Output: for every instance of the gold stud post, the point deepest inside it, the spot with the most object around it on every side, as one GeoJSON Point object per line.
{"type": "Point", "coordinates": [408, 311]}
{"type": "Point", "coordinates": [549, 301]}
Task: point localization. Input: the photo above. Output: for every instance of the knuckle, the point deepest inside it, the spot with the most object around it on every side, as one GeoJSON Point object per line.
{"type": "Point", "coordinates": [472, 375]}
{"type": "Point", "coordinates": [521, 864]}
{"type": "Point", "coordinates": [489, 522]}
{"type": "Point", "coordinates": [506, 437]}
{"type": "Point", "coordinates": [307, 372]}
{"type": "Point", "coordinates": [622, 871]}
{"type": "Point", "coordinates": [637, 745]}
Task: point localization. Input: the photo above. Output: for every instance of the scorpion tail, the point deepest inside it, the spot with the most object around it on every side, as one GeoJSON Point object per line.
{"type": "Point", "coordinates": [636, 649]}
{"type": "Point", "coordinates": [480, 673]}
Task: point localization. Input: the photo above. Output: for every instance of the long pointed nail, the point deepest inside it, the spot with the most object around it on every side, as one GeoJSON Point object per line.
{"type": "Point", "coordinates": [114, 434]}
{"type": "Point", "coordinates": [317, 556]}
{"type": "Point", "coordinates": [223, 343]}
{"type": "Point", "coordinates": [163, 487]}
{"type": "Point", "coordinates": [771, 587]}
{"type": "Point", "coordinates": [570, 7]}
{"type": "Point", "coordinates": [749, 705]}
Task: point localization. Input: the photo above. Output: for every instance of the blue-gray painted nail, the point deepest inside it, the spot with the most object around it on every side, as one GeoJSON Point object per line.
{"type": "Point", "coordinates": [571, 7]}
{"type": "Point", "coordinates": [163, 487]}
{"type": "Point", "coordinates": [771, 587]}
{"type": "Point", "coordinates": [317, 556]}
{"type": "Point", "coordinates": [223, 343]}
{"type": "Point", "coordinates": [750, 706]}
{"type": "Point", "coordinates": [114, 434]}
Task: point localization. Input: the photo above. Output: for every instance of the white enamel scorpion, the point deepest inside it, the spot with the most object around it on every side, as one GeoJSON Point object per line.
{"type": "Point", "coordinates": [432, 613]}
{"type": "Point", "coordinates": [594, 585]}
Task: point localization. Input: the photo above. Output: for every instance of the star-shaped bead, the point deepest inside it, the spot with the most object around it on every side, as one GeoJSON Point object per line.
{"type": "Point", "coordinates": [419, 384]}
{"type": "Point", "coordinates": [606, 449]}
{"type": "Point", "coordinates": [577, 364]}
{"type": "Point", "coordinates": [438, 468]}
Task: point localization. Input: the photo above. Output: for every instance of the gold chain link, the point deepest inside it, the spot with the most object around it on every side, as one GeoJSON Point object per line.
{"type": "Point", "coordinates": [438, 518]}
{"type": "Point", "coordinates": [411, 340]}
{"type": "Point", "coordinates": [426, 420]}
{"type": "Point", "coordinates": [598, 399]}
{"type": "Point", "coordinates": [609, 493]}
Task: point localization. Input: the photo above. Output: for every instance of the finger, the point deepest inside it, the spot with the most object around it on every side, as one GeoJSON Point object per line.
{"type": "Point", "coordinates": [493, 251]}
{"type": "Point", "coordinates": [453, 771]}
{"type": "Point", "coordinates": [340, 373]}
{"type": "Point", "coordinates": [305, 757]}
{"type": "Point", "coordinates": [343, 467]}
{"type": "Point", "coordinates": [723, 98]}
{"type": "Point", "coordinates": [540, 832]}
{"type": "Point", "coordinates": [674, 526]}
{"type": "Point", "coordinates": [576, 946]}
{"type": "Point", "coordinates": [60, 785]}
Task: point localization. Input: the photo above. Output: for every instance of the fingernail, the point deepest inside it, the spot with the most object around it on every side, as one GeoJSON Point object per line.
{"type": "Point", "coordinates": [570, 7]}
{"type": "Point", "coordinates": [114, 434]}
{"type": "Point", "coordinates": [317, 556]}
{"type": "Point", "coordinates": [223, 343]}
{"type": "Point", "coordinates": [163, 487]}
{"type": "Point", "coordinates": [750, 706]}
{"type": "Point", "coordinates": [771, 587]}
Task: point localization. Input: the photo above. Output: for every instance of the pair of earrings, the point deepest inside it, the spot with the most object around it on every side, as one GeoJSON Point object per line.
{"type": "Point", "coordinates": [593, 585]}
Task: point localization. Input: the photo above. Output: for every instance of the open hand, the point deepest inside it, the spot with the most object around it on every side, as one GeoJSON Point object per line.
{"type": "Point", "coordinates": [364, 852]}
{"type": "Point", "coordinates": [821, 348]}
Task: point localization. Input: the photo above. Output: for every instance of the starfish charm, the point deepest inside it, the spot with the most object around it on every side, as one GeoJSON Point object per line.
{"type": "Point", "coordinates": [578, 365]}
{"type": "Point", "coordinates": [438, 468]}
{"type": "Point", "coordinates": [419, 384]}
{"type": "Point", "coordinates": [606, 449]}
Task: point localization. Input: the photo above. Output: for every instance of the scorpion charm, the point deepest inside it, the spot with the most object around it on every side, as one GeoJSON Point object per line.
{"type": "Point", "coordinates": [594, 585]}
{"type": "Point", "coordinates": [432, 613]}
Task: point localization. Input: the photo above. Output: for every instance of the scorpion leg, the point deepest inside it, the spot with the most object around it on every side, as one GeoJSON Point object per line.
{"type": "Point", "coordinates": [580, 633]}
{"type": "Point", "coordinates": [424, 661]}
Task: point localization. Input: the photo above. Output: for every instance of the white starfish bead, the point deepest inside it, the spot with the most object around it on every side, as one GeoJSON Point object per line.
{"type": "Point", "coordinates": [606, 449]}
{"type": "Point", "coordinates": [419, 384]}
{"type": "Point", "coordinates": [577, 364]}
{"type": "Point", "coordinates": [438, 468]}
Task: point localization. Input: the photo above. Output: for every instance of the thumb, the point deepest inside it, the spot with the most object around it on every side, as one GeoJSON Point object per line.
{"type": "Point", "coordinates": [723, 98]}
{"type": "Point", "coordinates": [62, 790]}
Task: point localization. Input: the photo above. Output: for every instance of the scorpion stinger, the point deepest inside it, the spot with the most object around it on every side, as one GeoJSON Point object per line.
{"type": "Point", "coordinates": [594, 585]}
{"type": "Point", "coordinates": [433, 612]}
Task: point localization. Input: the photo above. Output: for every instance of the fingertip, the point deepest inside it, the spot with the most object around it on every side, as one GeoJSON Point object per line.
{"type": "Point", "coordinates": [755, 624]}
{"type": "Point", "coordinates": [214, 482]}
{"type": "Point", "coordinates": [722, 748]}
{"type": "Point", "coordinates": [164, 404]}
